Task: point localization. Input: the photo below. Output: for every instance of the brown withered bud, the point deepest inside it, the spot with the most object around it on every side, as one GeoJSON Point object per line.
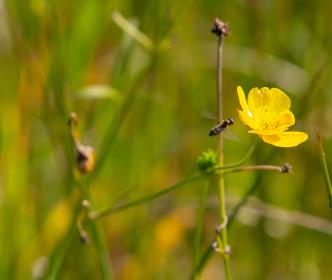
{"type": "Point", "coordinates": [85, 158]}
{"type": "Point", "coordinates": [220, 28]}
{"type": "Point", "coordinates": [84, 237]}
{"type": "Point", "coordinates": [85, 155]}
{"type": "Point", "coordinates": [86, 204]}
{"type": "Point", "coordinates": [73, 120]}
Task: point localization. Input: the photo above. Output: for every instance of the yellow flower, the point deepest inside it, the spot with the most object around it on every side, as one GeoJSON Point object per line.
{"type": "Point", "coordinates": [267, 114]}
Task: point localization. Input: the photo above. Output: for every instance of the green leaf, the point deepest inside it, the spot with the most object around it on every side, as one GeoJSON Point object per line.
{"type": "Point", "coordinates": [99, 92]}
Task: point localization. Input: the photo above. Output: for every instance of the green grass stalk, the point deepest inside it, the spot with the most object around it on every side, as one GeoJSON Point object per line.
{"type": "Point", "coordinates": [199, 223]}
{"type": "Point", "coordinates": [98, 239]}
{"type": "Point", "coordinates": [327, 176]}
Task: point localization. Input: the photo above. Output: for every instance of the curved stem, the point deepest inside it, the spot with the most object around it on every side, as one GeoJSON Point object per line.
{"type": "Point", "coordinates": [244, 159]}
{"type": "Point", "coordinates": [94, 215]}
{"type": "Point", "coordinates": [99, 214]}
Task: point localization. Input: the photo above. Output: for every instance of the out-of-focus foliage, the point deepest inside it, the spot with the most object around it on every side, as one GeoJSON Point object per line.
{"type": "Point", "coordinates": [140, 75]}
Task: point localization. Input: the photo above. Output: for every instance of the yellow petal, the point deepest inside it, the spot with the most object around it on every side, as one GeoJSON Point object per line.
{"type": "Point", "coordinates": [268, 132]}
{"type": "Point", "coordinates": [242, 99]}
{"type": "Point", "coordinates": [265, 100]}
{"type": "Point", "coordinates": [280, 99]}
{"type": "Point", "coordinates": [286, 139]}
{"type": "Point", "coordinates": [246, 120]}
{"type": "Point", "coordinates": [255, 100]}
{"type": "Point", "coordinates": [285, 119]}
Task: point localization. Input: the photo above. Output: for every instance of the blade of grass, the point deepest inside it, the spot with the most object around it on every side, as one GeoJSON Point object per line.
{"type": "Point", "coordinates": [60, 251]}
{"type": "Point", "coordinates": [101, 248]}
{"type": "Point", "coordinates": [327, 176]}
{"type": "Point", "coordinates": [199, 223]}
{"type": "Point", "coordinates": [132, 30]}
{"type": "Point", "coordinates": [119, 118]}
{"type": "Point", "coordinates": [98, 239]}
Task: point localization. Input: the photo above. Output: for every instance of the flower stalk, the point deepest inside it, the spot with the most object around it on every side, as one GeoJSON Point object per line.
{"type": "Point", "coordinates": [286, 168]}
{"type": "Point", "coordinates": [220, 29]}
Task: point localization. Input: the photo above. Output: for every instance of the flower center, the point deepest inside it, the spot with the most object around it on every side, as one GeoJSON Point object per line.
{"type": "Point", "coordinates": [267, 119]}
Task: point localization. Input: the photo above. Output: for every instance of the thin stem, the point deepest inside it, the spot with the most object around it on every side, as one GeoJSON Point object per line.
{"type": "Point", "coordinates": [209, 250]}
{"type": "Point", "coordinates": [199, 223]}
{"type": "Point", "coordinates": [277, 168]}
{"type": "Point", "coordinates": [94, 215]}
{"type": "Point", "coordinates": [101, 248]}
{"type": "Point", "coordinates": [244, 159]}
{"type": "Point", "coordinates": [327, 176]}
{"type": "Point", "coordinates": [99, 239]}
{"type": "Point", "coordinates": [102, 213]}
{"type": "Point", "coordinates": [222, 237]}
{"type": "Point", "coordinates": [61, 250]}
{"type": "Point", "coordinates": [99, 214]}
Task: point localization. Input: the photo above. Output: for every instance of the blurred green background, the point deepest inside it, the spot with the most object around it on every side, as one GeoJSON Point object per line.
{"type": "Point", "coordinates": [141, 100]}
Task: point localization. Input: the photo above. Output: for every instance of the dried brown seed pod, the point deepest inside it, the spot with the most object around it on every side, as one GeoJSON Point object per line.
{"type": "Point", "coordinates": [85, 158]}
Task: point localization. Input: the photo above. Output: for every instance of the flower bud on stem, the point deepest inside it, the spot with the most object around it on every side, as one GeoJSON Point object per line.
{"type": "Point", "coordinates": [85, 155]}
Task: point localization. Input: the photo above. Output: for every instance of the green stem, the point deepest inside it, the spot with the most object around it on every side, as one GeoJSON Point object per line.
{"type": "Point", "coordinates": [101, 248]}
{"type": "Point", "coordinates": [99, 214]}
{"type": "Point", "coordinates": [199, 223]}
{"type": "Point", "coordinates": [244, 159]}
{"type": "Point", "coordinates": [327, 176]}
{"type": "Point", "coordinates": [94, 215]}
{"type": "Point", "coordinates": [102, 213]}
{"type": "Point", "coordinates": [98, 239]}
{"type": "Point", "coordinates": [277, 168]}
{"type": "Point", "coordinates": [222, 238]}
{"type": "Point", "coordinates": [58, 255]}
{"type": "Point", "coordinates": [209, 250]}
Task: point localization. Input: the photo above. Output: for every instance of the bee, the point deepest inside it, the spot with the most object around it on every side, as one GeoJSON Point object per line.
{"type": "Point", "coordinates": [220, 127]}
